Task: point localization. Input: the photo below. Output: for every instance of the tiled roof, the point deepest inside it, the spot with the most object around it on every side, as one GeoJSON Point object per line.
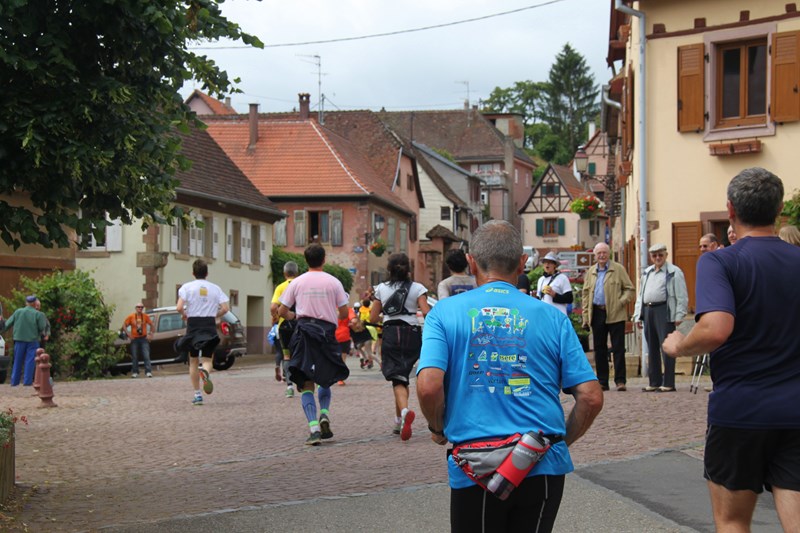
{"type": "Point", "coordinates": [465, 133]}
{"type": "Point", "coordinates": [440, 231]}
{"type": "Point", "coordinates": [214, 175]}
{"type": "Point", "coordinates": [378, 144]}
{"type": "Point", "coordinates": [294, 157]}
{"type": "Point", "coordinates": [217, 107]}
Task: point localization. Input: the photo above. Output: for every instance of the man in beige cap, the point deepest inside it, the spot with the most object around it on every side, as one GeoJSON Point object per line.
{"type": "Point", "coordinates": [660, 307]}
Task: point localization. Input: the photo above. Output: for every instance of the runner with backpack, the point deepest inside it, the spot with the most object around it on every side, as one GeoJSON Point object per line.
{"type": "Point", "coordinates": [398, 300]}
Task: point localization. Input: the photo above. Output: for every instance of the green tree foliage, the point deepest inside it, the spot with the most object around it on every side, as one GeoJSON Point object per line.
{"type": "Point", "coordinates": [525, 98]}
{"type": "Point", "coordinates": [281, 256]}
{"type": "Point", "coordinates": [81, 344]}
{"type": "Point", "coordinates": [89, 107]}
{"type": "Point", "coordinates": [570, 102]}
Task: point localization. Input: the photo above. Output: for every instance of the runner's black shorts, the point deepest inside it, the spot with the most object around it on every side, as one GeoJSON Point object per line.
{"type": "Point", "coordinates": [532, 506]}
{"type": "Point", "coordinates": [752, 459]}
{"type": "Point", "coordinates": [400, 349]}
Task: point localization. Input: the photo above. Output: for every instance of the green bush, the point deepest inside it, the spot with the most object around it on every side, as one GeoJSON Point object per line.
{"type": "Point", "coordinates": [81, 345]}
{"type": "Point", "coordinates": [281, 257]}
{"type": "Point", "coordinates": [791, 209]}
{"type": "Point", "coordinates": [533, 276]}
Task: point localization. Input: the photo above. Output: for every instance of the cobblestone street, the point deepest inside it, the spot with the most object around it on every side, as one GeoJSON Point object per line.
{"type": "Point", "coordinates": [124, 451]}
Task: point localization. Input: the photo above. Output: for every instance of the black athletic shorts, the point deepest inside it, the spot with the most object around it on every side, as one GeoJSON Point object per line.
{"type": "Point", "coordinates": [400, 349]}
{"type": "Point", "coordinates": [752, 459]}
{"type": "Point", "coordinates": [532, 506]}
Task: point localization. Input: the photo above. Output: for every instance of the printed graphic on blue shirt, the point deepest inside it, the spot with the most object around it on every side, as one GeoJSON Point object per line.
{"type": "Point", "coordinates": [498, 336]}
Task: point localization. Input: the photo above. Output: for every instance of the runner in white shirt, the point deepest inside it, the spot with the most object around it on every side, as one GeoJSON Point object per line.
{"type": "Point", "coordinates": [201, 303]}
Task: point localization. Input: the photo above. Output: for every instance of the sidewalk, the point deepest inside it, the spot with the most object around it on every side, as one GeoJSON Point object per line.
{"type": "Point", "coordinates": [135, 455]}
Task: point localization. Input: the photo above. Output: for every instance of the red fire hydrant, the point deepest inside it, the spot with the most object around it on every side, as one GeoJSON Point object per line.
{"type": "Point", "coordinates": [45, 388]}
{"type": "Point", "coordinates": [37, 374]}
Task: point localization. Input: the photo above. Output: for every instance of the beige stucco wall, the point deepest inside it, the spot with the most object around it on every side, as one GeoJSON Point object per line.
{"type": "Point", "coordinates": [122, 281]}
{"type": "Point", "coordinates": [683, 179]}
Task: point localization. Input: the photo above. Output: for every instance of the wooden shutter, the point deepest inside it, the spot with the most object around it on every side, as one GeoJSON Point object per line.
{"type": "Point", "coordinates": [299, 228]}
{"type": "Point", "coordinates": [685, 236]}
{"type": "Point", "coordinates": [785, 76]}
{"type": "Point", "coordinates": [114, 236]}
{"type": "Point", "coordinates": [336, 227]}
{"type": "Point", "coordinates": [229, 239]}
{"type": "Point", "coordinates": [691, 87]}
{"type": "Point", "coordinates": [262, 239]}
{"type": "Point", "coordinates": [539, 227]}
{"type": "Point", "coordinates": [627, 114]}
{"type": "Point", "coordinates": [175, 236]}
{"type": "Point", "coordinates": [244, 239]}
{"type": "Point", "coordinates": [561, 228]}
{"type": "Point", "coordinates": [214, 238]}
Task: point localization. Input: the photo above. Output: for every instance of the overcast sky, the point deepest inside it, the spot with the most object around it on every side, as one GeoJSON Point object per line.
{"type": "Point", "coordinates": [436, 68]}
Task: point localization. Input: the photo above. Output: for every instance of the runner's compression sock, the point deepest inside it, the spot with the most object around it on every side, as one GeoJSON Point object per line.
{"type": "Point", "coordinates": [309, 406]}
{"type": "Point", "coordinates": [285, 368]}
{"type": "Point", "coordinates": [324, 395]}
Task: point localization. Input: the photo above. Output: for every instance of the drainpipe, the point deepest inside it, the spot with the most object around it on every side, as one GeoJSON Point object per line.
{"type": "Point", "coordinates": [607, 101]}
{"type": "Point", "coordinates": [642, 132]}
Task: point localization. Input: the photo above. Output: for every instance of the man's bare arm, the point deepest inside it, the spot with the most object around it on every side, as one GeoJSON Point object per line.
{"type": "Point", "coordinates": [430, 392]}
{"type": "Point", "coordinates": [343, 312]}
{"type": "Point", "coordinates": [707, 335]}
{"type": "Point", "coordinates": [284, 312]}
{"type": "Point", "coordinates": [588, 403]}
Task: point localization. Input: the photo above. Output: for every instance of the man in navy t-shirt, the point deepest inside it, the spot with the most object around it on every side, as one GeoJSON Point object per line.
{"type": "Point", "coordinates": [748, 300]}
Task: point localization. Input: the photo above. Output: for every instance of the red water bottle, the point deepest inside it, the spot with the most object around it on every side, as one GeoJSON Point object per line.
{"type": "Point", "coordinates": [530, 448]}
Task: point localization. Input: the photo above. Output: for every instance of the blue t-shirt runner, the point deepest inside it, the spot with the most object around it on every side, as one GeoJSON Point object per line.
{"type": "Point", "coordinates": [506, 356]}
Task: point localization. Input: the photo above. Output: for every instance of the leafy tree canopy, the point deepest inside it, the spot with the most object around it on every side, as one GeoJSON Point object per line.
{"type": "Point", "coordinates": [557, 111]}
{"type": "Point", "coordinates": [571, 99]}
{"type": "Point", "coordinates": [525, 98]}
{"type": "Point", "coordinates": [89, 107]}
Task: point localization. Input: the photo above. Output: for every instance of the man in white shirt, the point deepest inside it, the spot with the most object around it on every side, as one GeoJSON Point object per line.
{"type": "Point", "coordinates": [201, 303]}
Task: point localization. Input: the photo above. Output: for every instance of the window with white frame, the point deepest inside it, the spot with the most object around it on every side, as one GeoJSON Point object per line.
{"type": "Point", "coordinates": [444, 212]}
{"type": "Point", "coordinates": [279, 232]}
{"type": "Point", "coordinates": [111, 241]}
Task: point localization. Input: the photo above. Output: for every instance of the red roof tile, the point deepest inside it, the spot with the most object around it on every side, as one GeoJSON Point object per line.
{"type": "Point", "coordinates": [295, 157]}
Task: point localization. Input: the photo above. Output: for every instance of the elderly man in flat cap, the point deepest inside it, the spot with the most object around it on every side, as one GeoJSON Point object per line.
{"type": "Point", "coordinates": [660, 307]}
{"type": "Point", "coordinates": [29, 326]}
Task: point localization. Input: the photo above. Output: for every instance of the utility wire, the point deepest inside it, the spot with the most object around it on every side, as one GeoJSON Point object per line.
{"type": "Point", "coordinates": [390, 33]}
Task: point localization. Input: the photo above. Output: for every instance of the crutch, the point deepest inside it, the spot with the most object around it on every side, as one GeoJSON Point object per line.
{"type": "Point", "coordinates": [699, 366]}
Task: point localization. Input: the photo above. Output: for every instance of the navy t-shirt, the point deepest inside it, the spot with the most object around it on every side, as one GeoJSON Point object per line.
{"type": "Point", "coordinates": [756, 372]}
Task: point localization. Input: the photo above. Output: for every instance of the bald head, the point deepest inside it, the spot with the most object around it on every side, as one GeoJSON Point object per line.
{"type": "Point", "coordinates": [601, 253]}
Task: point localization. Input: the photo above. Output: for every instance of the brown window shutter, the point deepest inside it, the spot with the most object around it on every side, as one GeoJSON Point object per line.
{"type": "Point", "coordinates": [691, 87]}
{"type": "Point", "coordinates": [627, 114]}
{"type": "Point", "coordinates": [785, 76]}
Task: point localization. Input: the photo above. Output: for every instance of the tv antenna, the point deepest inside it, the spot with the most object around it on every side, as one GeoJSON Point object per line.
{"type": "Point", "coordinates": [466, 83]}
{"type": "Point", "coordinates": [317, 60]}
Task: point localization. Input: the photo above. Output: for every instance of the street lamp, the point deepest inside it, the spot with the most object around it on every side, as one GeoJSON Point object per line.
{"type": "Point", "coordinates": [581, 160]}
{"type": "Point", "coordinates": [377, 229]}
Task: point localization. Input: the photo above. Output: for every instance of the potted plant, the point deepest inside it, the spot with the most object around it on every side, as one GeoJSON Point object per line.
{"type": "Point", "coordinates": [8, 421]}
{"type": "Point", "coordinates": [377, 247]}
{"type": "Point", "coordinates": [587, 206]}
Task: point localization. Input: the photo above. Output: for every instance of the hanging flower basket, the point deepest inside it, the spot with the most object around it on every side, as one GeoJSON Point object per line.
{"type": "Point", "coordinates": [378, 247]}
{"type": "Point", "coordinates": [587, 206]}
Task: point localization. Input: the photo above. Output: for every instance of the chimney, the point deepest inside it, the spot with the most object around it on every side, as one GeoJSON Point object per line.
{"type": "Point", "coordinates": [305, 99]}
{"type": "Point", "coordinates": [592, 130]}
{"type": "Point", "coordinates": [228, 101]}
{"type": "Point", "coordinates": [253, 127]}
